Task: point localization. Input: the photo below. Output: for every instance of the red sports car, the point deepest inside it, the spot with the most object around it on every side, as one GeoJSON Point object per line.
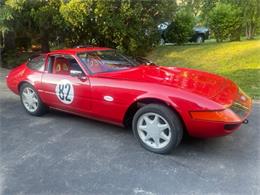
{"type": "Point", "coordinates": [158, 103]}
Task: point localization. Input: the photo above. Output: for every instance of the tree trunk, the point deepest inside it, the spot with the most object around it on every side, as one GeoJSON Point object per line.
{"type": "Point", "coordinates": [9, 41]}
{"type": "Point", "coordinates": [250, 30]}
{"type": "Point", "coordinates": [1, 62]}
{"type": "Point", "coordinates": [235, 36]}
{"type": "Point", "coordinates": [246, 31]}
{"type": "Point", "coordinates": [45, 47]}
{"type": "Point", "coordinates": [1, 46]}
{"type": "Point", "coordinates": [253, 26]}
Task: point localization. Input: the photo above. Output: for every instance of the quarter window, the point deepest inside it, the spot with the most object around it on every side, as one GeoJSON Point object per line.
{"type": "Point", "coordinates": [37, 63]}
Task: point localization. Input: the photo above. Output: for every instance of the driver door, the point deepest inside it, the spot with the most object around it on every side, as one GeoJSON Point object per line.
{"type": "Point", "coordinates": [63, 91]}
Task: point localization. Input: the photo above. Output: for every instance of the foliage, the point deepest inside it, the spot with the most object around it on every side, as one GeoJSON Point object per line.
{"type": "Point", "coordinates": [5, 17]}
{"type": "Point", "coordinates": [46, 20]}
{"type": "Point", "coordinates": [12, 59]}
{"type": "Point", "coordinates": [181, 28]}
{"type": "Point", "coordinates": [251, 17]}
{"type": "Point", "coordinates": [130, 26]}
{"type": "Point", "coordinates": [195, 6]}
{"type": "Point", "coordinates": [224, 20]}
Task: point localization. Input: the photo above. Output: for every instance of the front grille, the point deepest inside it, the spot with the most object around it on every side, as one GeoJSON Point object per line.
{"type": "Point", "coordinates": [240, 110]}
{"type": "Point", "coordinates": [241, 105]}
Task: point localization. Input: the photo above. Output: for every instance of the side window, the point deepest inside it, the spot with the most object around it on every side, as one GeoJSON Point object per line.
{"type": "Point", "coordinates": [62, 64]}
{"type": "Point", "coordinates": [37, 63]}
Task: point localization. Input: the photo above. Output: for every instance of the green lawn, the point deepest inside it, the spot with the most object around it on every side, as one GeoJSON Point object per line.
{"type": "Point", "coordinates": [239, 61]}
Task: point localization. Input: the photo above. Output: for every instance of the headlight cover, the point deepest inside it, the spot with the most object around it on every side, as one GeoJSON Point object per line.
{"type": "Point", "coordinates": [237, 112]}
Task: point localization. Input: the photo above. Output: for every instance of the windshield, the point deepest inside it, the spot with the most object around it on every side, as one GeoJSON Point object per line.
{"type": "Point", "coordinates": [106, 61]}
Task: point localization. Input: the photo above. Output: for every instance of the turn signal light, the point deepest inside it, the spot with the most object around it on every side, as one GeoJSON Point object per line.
{"type": "Point", "coordinates": [220, 116]}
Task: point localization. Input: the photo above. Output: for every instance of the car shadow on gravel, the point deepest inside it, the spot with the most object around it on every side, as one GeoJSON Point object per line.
{"type": "Point", "coordinates": [188, 144]}
{"type": "Point", "coordinates": [80, 126]}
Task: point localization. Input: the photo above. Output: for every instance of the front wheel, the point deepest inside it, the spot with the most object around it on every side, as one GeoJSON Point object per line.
{"type": "Point", "coordinates": [157, 128]}
{"type": "Point", "coordinates": [31, 100]}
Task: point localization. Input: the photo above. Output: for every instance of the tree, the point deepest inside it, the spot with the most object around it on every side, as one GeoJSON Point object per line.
{"type": "Point", "coordinates": [79, 19]}
{"type": "Point", "coordinates": [195, 6]}
{"type": "Point", "coordinates": [128, 25]}
{"type": "Point", "coordinates": [224, 20]}
{"type": "Point", "coordinates": [251, 17]}
{"type": "Point", "coordinates": [5, 18]}
{"type": "Point", "coordinates": [47, 21]}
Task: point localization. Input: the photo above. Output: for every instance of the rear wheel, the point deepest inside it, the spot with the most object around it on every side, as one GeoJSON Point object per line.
{"type": "Point", "coordinates": [157, 128]}
{"type": "Point", "coordinates": [31, 100]}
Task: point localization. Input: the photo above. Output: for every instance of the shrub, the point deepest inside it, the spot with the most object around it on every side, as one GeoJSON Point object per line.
{"type": "Point", "coordinates": [181, 29]}
{"type": "Point", "coordinates": [225, 21]}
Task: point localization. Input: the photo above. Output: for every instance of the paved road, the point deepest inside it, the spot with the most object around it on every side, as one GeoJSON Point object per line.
{"type": "Point", "coordinates": [64, 154]}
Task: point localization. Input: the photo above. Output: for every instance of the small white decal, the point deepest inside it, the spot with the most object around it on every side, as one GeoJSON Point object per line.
{"type": "Point", "coordinates": [108, 98]}
{"type": "Point", "coordinates": [65, 91]}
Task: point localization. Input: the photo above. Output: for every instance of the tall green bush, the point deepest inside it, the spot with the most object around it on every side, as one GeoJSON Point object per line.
{"type": "Point", "coordinates": [181, 29]}
{"type": "Point", "coordinates": [225, 21]}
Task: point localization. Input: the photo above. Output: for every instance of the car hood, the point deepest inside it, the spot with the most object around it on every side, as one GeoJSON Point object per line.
{"type": "Point", "coordinates": [194, 81]}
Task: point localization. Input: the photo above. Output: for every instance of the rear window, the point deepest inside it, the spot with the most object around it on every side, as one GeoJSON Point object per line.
{"type": "Point", "coordinates": [37, 63]}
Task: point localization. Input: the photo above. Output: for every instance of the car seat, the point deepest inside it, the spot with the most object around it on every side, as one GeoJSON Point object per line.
{"type": "Point", "coordinates": [61, 66]}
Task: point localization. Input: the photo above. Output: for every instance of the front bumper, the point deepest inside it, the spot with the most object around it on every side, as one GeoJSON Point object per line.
{"type": "Point", "coordinates": [241, 108]}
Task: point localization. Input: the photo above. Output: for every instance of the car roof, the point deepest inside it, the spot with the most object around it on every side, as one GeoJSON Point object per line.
{"type": "Point", "coordinates": [74, 51]}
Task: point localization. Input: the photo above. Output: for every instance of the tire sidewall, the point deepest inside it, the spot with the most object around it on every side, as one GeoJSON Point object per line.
{"type": "Point", "coordinates": [173, 121]}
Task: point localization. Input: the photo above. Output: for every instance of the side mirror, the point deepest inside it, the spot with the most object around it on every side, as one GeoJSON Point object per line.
{"type": "Point", "coordinates": [76, 73]}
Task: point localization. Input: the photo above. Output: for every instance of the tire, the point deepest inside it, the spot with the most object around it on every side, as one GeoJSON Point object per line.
{"type": "Point", "coordinates": [148, 130]}
{"type": "Point", "coordinates": [31, 100]}
{"type": "Point", "coordinates": [200, 39]}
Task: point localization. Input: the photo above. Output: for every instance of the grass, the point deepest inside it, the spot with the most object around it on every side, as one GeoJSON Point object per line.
{"type": "Point", "coordinates": [238, 61]}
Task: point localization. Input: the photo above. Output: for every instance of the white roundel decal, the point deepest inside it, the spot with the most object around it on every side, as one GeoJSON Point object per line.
{"type": "Point", "coordinates": [64, 91]}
